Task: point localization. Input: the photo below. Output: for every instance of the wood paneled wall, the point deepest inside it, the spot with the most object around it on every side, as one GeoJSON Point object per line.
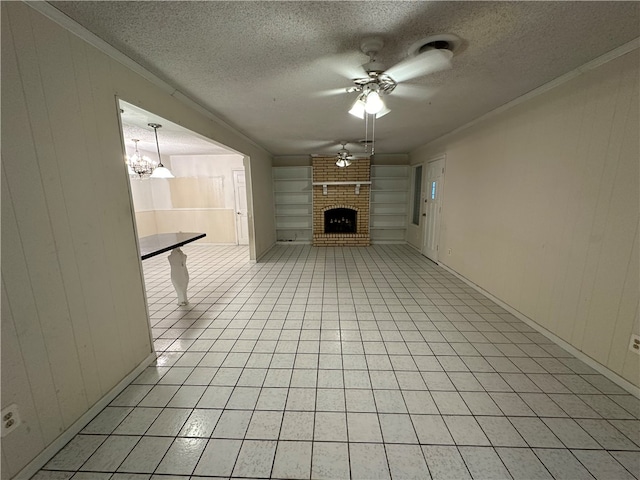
{"type": "Point", "coordinates": [74, 320]}
{"type": "Point", "coordinates": [541, 210]}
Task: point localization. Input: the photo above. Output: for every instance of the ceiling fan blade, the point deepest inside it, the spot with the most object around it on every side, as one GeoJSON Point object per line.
{"type": "Point", "coordinates": [347, 66]}
{"type": "Point", "coordinates": [415, 92]}
{"type": "Point", "coordinates": [425, 63]}
{"type": "Point", "coordinates": [329, 93]}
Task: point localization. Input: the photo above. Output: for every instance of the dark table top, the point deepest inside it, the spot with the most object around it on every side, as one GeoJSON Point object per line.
{"type": "Point", "coordinates": [163, 242]}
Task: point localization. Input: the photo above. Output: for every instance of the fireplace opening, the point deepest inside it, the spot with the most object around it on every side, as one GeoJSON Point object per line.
{"type": "Point", "coordinates": [340, 220]}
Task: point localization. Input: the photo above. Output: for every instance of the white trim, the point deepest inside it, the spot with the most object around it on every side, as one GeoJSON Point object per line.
{"type": "Point", "coordinates": [52, 13]}
{"type": "Point", "coordinates": [596, 62]}
{"type": "Point", "coordinates": [389, 242]}
{"type": "Point", "coordinates": [214, 244]}
{"type": "Point", "coordinates": [264, 253]}
{"type": "Point", "coordinates": [185, 209]}
{"type": "Point", "coordinates": [343, 183]}
{"type": "Point", "coordinates": [55, 446]}
{"type": "Point", "coordinates": [611, 375]}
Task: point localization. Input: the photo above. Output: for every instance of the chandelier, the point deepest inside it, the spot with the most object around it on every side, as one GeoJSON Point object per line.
{"type": "Point", "coordinates": [140, 165]}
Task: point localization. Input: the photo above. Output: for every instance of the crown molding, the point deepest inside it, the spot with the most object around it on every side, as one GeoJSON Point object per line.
{"type": "Point", "coordinates": [66, 22]}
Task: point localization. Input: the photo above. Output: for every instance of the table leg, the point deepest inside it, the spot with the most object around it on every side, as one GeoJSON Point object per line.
{"type": "Point", "coordinates": [179, 274]}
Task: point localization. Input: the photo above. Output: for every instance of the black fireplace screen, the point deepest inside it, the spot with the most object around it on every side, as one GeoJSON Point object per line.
{"type": "Point", "coordinates": [340, 220]}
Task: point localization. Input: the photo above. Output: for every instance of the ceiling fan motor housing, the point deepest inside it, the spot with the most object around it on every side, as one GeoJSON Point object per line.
{"type": "Point", "coordinates": [370, 47]}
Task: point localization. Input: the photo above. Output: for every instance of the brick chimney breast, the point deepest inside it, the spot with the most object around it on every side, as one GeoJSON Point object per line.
{"type": "Point", "coordinates": [341, 196]}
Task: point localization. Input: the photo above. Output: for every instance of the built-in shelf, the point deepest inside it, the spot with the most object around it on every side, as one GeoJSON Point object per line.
{"type": "Point", "coordinates": [293, 194]}
{"type": "Point", "coordinates": [389, 203]}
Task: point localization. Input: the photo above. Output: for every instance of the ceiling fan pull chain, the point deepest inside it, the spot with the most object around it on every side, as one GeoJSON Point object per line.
{"type": "Point", "coordinates": [366, 132]}
{"type": "Point", "coordinates": [373, 135]}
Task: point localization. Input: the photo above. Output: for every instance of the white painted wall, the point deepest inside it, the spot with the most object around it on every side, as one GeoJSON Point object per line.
{"type": "Point", "coordinates": [541, 209]}
{"type": "Point", "coordinates": [171, 205]}
{"type": "Point", "coordinates": [74, 320]}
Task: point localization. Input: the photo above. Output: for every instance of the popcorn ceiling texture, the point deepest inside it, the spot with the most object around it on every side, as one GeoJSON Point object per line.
{"type": "Point", "coordinates": [264, 67]}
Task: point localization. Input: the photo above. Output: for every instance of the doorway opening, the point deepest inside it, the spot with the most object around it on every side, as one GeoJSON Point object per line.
{"type": "Point", "coordinates": [207, 192]}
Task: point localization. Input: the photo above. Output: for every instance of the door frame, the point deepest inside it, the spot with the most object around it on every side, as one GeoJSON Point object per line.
{"type": "Point", "coordinates": [440, 195]}
{"type": "Point", "coordinates": [415, 231]}
{"type": "Point", "coordinates": [235, 206]}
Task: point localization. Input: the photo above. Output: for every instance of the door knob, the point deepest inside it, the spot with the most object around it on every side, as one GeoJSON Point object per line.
{"type": "Point", "coordinates": [424, 214]}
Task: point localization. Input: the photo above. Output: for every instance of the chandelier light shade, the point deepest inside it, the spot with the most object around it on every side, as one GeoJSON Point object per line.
{"type": "Point", "coordinates": [140, 165]}
{"type": "Point", "coordinates": [160, 171]}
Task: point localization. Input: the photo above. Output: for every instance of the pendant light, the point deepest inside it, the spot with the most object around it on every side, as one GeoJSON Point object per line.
{"type": "Point", "coordinates": [160, 171]}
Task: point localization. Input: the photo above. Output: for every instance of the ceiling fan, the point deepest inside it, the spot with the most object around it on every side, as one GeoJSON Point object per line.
{"type": "Point", "coordinates": [425, 57]}
{"type": "Point", "coordinates": [344, 157]}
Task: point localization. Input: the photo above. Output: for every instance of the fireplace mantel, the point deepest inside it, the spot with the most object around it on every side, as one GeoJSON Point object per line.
{"type": "Point", "coordinates": [326, 184]}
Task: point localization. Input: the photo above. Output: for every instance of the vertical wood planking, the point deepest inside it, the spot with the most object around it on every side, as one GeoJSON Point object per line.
{"type": "Point", "coordinates": [628, 309]}
{"type": "Point", "coordinates": [16, 389]}
{"type": "Point", "coordinates": [619, 214]}
{"type": "Point", "coordinates": [550, 225]}
{"type": "Point", "coordinates": [631, 369]}
{"type": "Point", "coordinates": [583, 205]}
{"type": "Point", "coordinates": [575, 104]}
{"type": "Point", "coordinates": [72, 273]}
{"type": "Point", "coordinates": [605, 157]}
{"type": "Point", "coordinates": [77, 167]}
{"type": "Point", "coordinates": [15, 270]}
{"type": "Point", "coordinates": [117, 216]}
{"type": "Point", "coordinates": [39, 118]}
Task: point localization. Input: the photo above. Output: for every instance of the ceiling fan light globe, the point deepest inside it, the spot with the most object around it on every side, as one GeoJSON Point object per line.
{"type": "Point", "coordinates": [383, 111]}
{"type": "Point", "coordinates": [358, 108]}
{"type": "Point", "coordinates": [374, 103]}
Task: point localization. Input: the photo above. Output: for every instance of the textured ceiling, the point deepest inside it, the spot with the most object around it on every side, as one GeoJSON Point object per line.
{"type": "Point", "coordinates": [173, 139]}
{"type": "Point", "coordinates": [267, 68]}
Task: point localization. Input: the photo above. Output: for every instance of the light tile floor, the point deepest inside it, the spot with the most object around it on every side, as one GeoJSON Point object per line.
{"type": "Point", "coordinates": [337, 363]}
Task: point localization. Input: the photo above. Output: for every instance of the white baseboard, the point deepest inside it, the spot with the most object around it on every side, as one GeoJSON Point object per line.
{"type": "Point", "coordinates": [389, 242]}
{"type": "Point", "coordinates": [611, 375]}
{"type": "Point", "coordinates": [263, 253]}
{"type": "Point", "coordinates": [55, 446]}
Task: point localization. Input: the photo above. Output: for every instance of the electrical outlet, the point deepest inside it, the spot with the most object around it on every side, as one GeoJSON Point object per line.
{"type": "Point", "coordinates": [634, 344]}
{"type": "Point", "coordinates": [10, 419]}
{"type": "Point", "coordinates": [449, 252]}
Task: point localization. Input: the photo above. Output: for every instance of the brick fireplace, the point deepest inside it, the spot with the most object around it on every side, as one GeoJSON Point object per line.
{"type": "Point", "coordinates": [341, 203]}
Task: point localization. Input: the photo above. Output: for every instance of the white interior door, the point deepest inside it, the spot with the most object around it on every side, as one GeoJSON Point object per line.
{"type": "Point", "coordinates": [242, 225]}
{"type": "Point", "coordinates": [433, 208]}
